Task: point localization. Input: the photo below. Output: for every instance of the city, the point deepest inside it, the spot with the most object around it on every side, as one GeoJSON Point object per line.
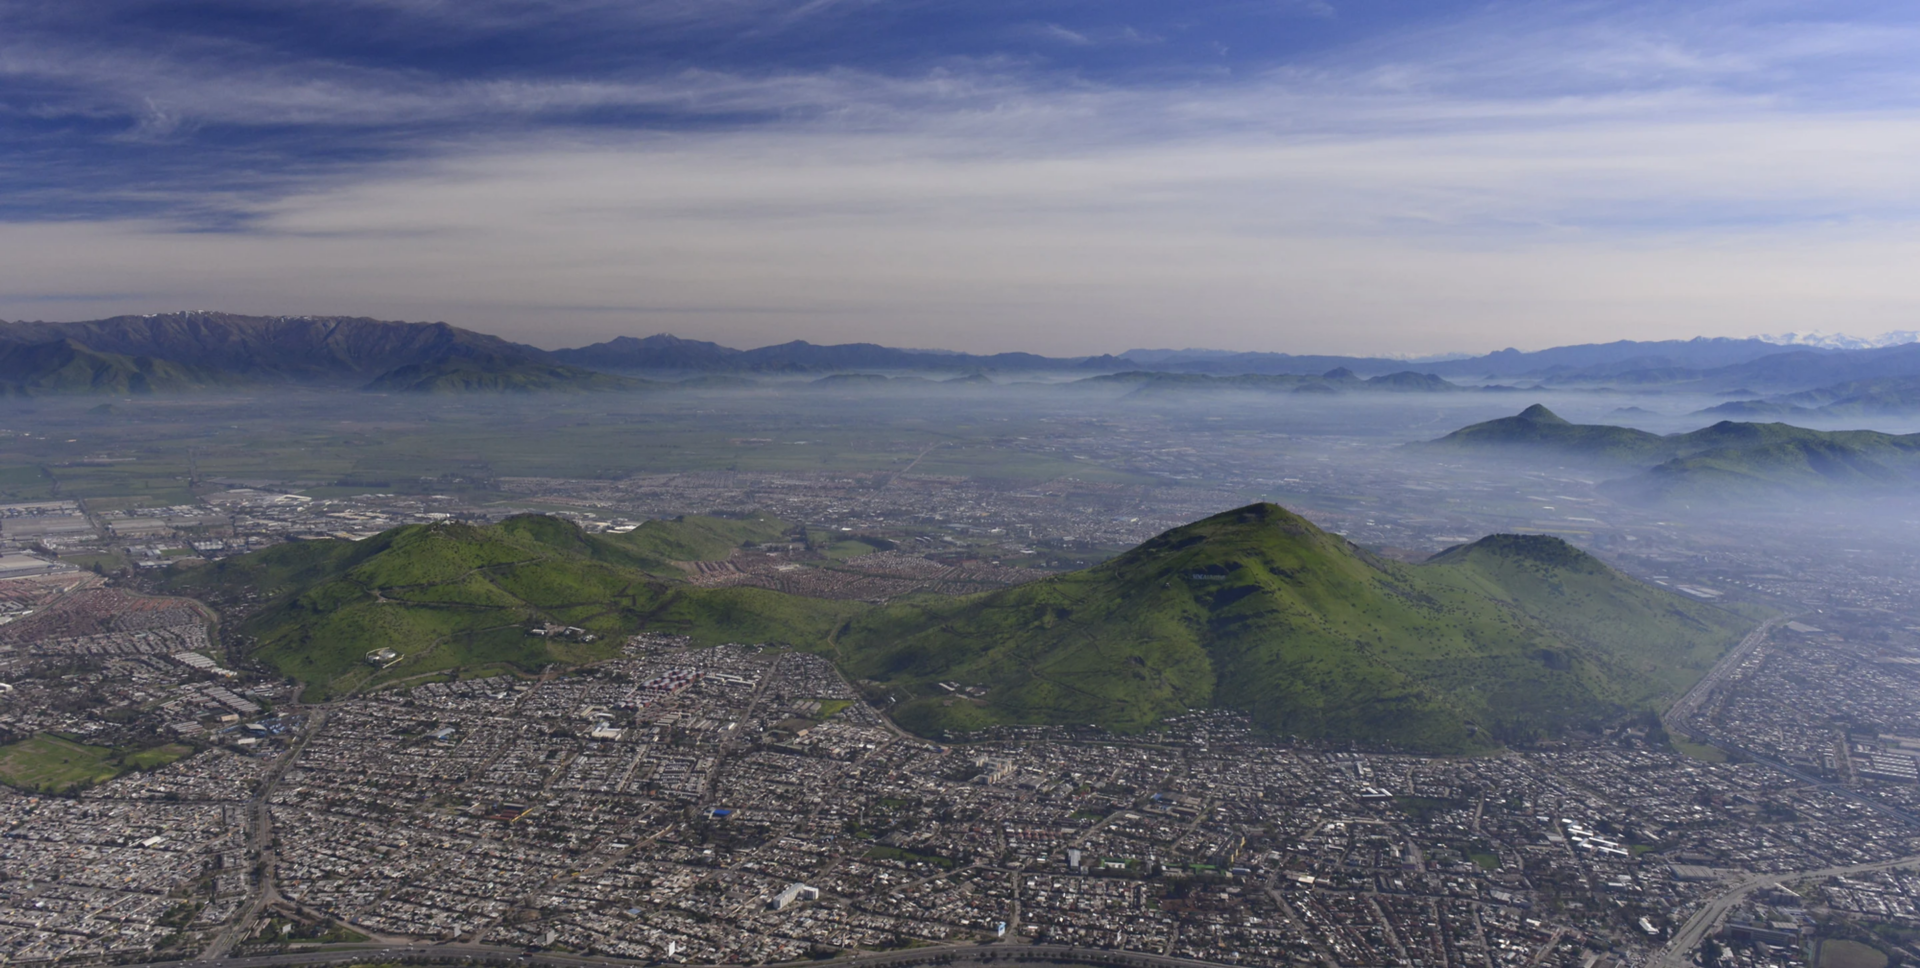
{"type": "Point", "coordinates": [744, 804]}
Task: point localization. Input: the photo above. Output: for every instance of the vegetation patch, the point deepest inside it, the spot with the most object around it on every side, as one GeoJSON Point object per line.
{"type": "Point", "coordinates": [521, 595]}
{"type": "Point", "coordinates": [1699, 751]}
{"type": "Point", "coordinates": [1841, 953]}
{"type": "Point", "coordinates": [1506, 640]}
{"type": "Point", "coordinates": [910, 857]}
{"type": "Point", "coordinates": [158, 756]}
{"type": "Point", "coordinates": [49, 764]}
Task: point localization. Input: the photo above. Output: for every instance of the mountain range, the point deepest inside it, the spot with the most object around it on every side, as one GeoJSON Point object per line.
{"type": "Point", "coordinates": [1148, 383]}
{"type": "Point", "coordinates": [1509, 639]}
{"type": "Point", "coordinates": [664, 353]}
{"type": "Point", "coordinates": [1726, 461]}
{"type": "Point", "coordinates": [189, 351]}
{"type": "Point", "coordinates": [1875, 396]}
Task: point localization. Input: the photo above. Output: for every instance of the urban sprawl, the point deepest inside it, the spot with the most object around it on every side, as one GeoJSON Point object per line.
{"type": "Point", "coordinates": [744, 804]}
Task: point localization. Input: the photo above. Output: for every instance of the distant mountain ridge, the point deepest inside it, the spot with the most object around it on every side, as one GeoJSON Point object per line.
{"type": "Point", "coordinates": [665, 352]}
{"type": "Point", "coordinates": [1704, 364]}
{"type": "Point", "coordinates": [1875, 396]}
{"type": "Point", "coordinates": [482, 374]}
{"type": "Point", "coordinates": [299, 349]}
{"type": "Point", "coordinates": [1843, 341]}
{"type": "Point", "coordinates": [1699, 353]}
{"type": "Point", "coordinates": [1151, 383]}
{"type": "Point", "coordinates": [66, 366]}
{"type": "Point", "coordinates": [183, 351]}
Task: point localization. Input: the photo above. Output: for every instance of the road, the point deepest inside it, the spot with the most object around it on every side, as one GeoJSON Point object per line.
{"type": "Point", "coordinates": [1674, 955]}
{"type": "Point", "coordinates": [260, 843]}
{"type": "Point", "coordinates": [1684, 709]}
{"type": "Point", "coordinates": [1680, 719]}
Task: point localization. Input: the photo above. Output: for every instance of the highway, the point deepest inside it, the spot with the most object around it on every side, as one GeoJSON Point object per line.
{"type": "Point", "coordinates": [1674, 955]}
{"type": "Point", "coordinates": [1684, 709]}
{"type": "Point", "coordinates": [260, 844]}
{"type": "Point", "coordinates": [1680, 719]}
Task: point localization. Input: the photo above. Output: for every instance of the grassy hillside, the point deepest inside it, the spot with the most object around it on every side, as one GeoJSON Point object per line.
{"type": "Point", "coordinates": [65, 366]}
{"type": "Point", "coordinates": [455, 596]}
{"type": "Point", "coordinates": [1257, 609]}
{"type": "Point", "coordinates": [1540, 430]}
{"type": "Point", "coordinates": [1506, 639]}
{"type": "Point", "coordinates": [1760, 471]}
{"type": "Point", "coordinates": [1728, 460]}
{"type": "Point", "coordinates": [327, 349]}
{"type": "Point", "coordinates": [701, 538]}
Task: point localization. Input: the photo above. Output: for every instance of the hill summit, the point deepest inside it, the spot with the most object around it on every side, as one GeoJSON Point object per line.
{"type": "Point", "coordinates": [1509, 638]}
{"type": "Point", "coordinates": [1726, 461]}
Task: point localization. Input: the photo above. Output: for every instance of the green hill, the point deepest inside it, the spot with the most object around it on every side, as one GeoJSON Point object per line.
{"type": "Point", "coordinates": [65, 366]}
{"type": "Point", "coordinates": [1540, 430]}
{"type": "Point", "coordinates": [1726, 461]}
{"type": "Point", "coordinates": [1257, 609]}
{"type": "Point", "coordinates": [1761, 470]}
{"type": "Point", "coordinates": [701, 538]}
{"type": "Point", "coordinates": [485, 374]}
{"type": "Point", "coordinates": [1880, 396]}
{"type": "Point", "coordinates": [456, 596]}
{"type": "Point", "coordinates": [1507, 639]}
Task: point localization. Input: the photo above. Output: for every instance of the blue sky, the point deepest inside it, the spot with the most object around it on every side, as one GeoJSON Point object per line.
{"type": "Point", "coordinates": [1055, 175]}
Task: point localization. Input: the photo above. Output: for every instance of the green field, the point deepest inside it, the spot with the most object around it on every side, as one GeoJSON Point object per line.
{"type": "Point", "coordinates": [159, 756]}
{"type": "Point", "coordinates": [1699, 751]}
{"type": "Point", "coordinates": [54, 765]}
{"type": "Point", "coordinates": [1840, 953]}
{"type": "Point", "coordinates": [51, 764]}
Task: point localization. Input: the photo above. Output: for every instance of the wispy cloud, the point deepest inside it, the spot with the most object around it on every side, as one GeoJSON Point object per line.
{"type": "Point", "coordinates": [847, 166]}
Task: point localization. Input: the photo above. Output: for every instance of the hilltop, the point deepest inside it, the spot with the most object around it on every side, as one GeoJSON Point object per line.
{"type": "Point", "coordinates": [457, 596]}
{"type": "Point", "coordinates": [1507, 639]}
{"type": "Point", "coordinates": [1537, 428]}
{"type": "Point", "coordinates": [1257, 609]}
{"type": "Point", "coordinates": [1729, 459]}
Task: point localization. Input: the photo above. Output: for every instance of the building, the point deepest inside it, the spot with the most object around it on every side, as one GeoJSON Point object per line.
{"type": "Point", "coordinates": [794, 892]}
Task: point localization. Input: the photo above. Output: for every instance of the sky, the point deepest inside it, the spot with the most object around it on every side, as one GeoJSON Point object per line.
{"type": "Point", "coordinates": [1056, 176]}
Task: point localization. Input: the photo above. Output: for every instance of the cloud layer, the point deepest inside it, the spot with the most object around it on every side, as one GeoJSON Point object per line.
{"type": "Point", "coordinates": [1060, 176]}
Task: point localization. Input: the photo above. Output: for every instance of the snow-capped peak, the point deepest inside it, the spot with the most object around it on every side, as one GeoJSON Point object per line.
{"type": "Point", "coordinates": [1841, 341]}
